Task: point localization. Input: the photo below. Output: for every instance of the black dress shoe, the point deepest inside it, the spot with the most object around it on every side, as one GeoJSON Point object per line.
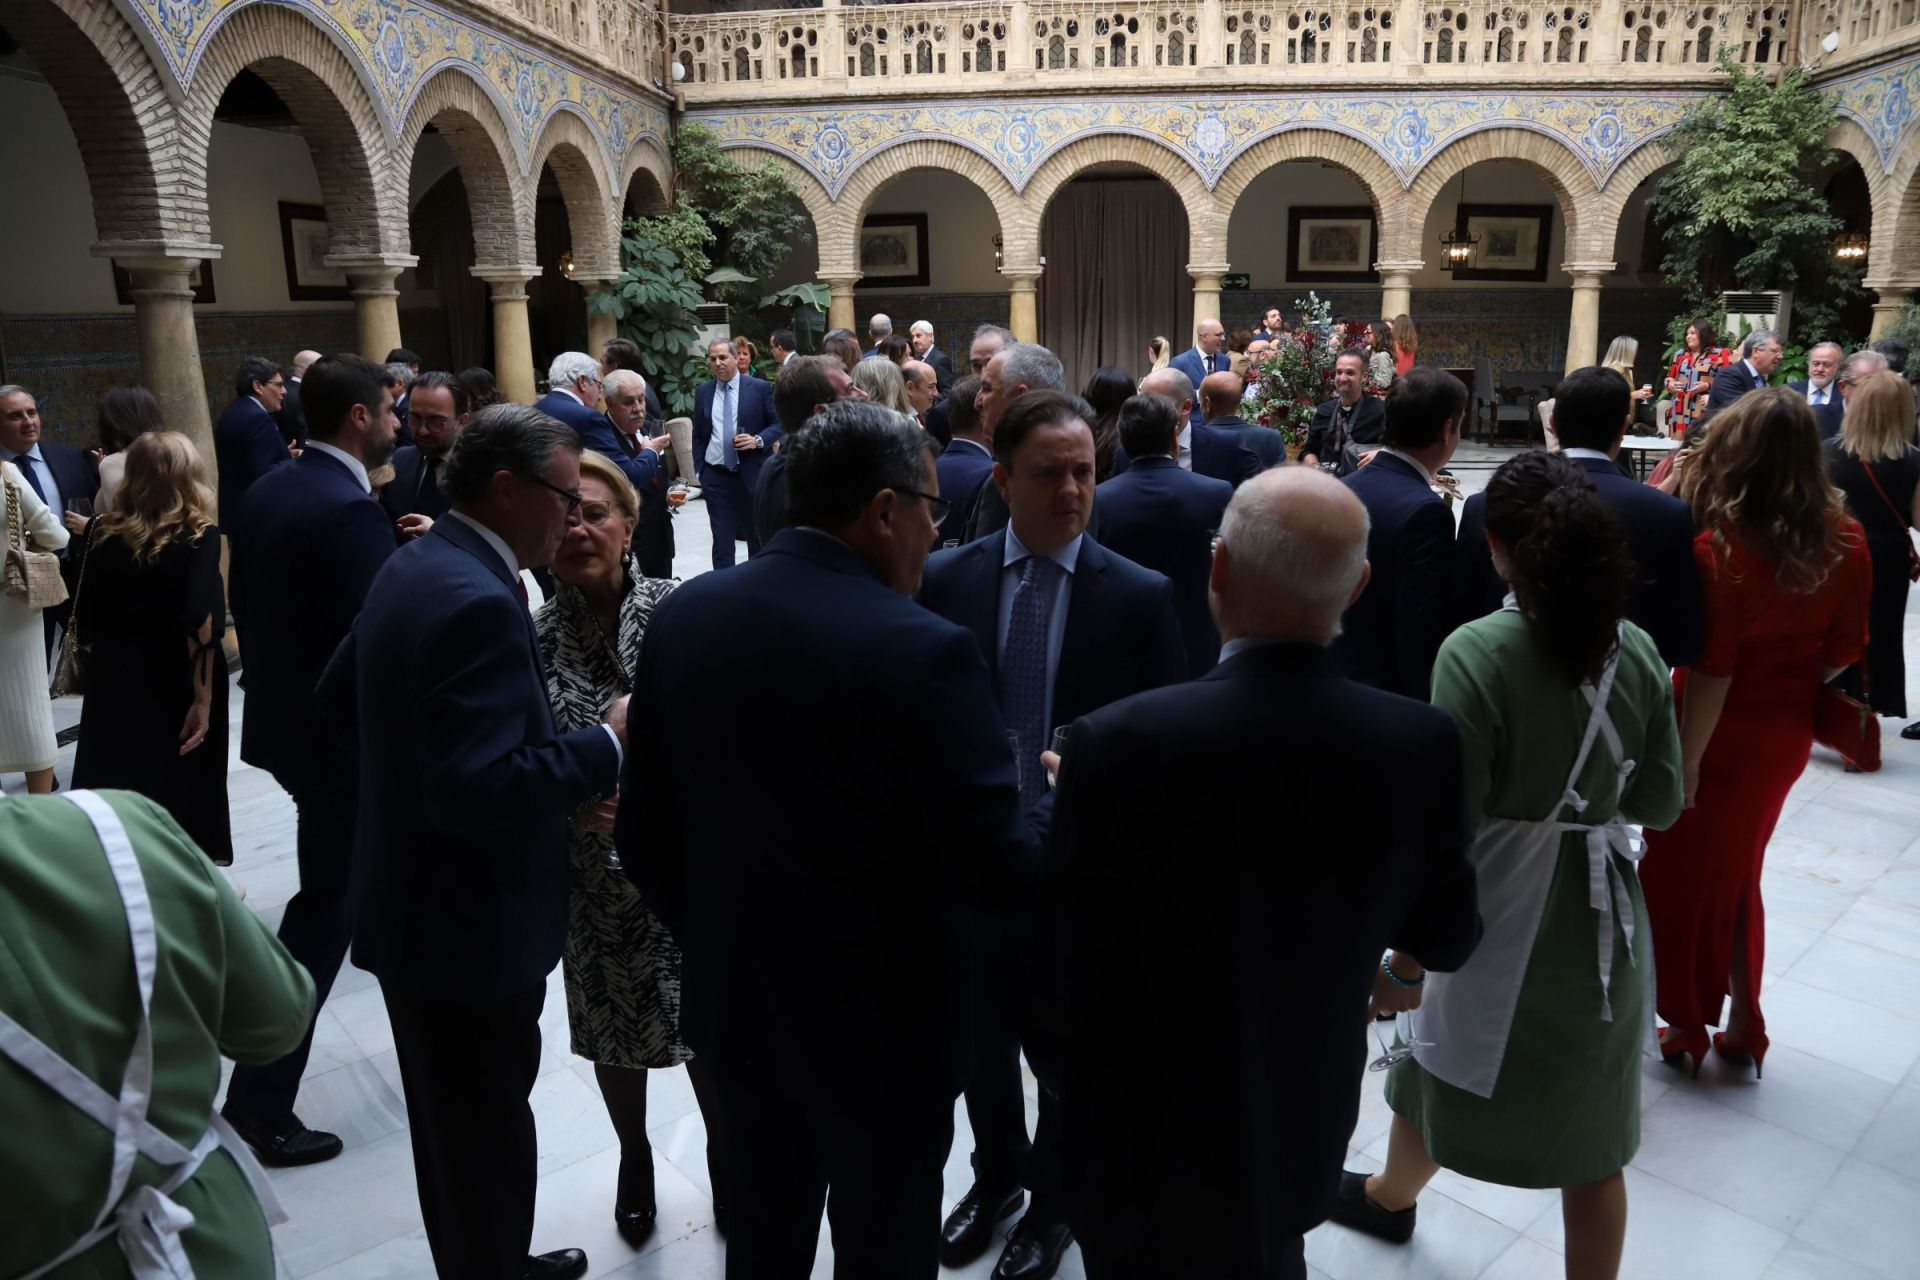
{"type": "Point", "coordinates": [635, 1225]}
{"type": "Point", "coordinates": [719, 1218]}
{"type": "Point", "coordinates": [1034, 1250]}
{"type": "Point", "coordinates": [1351, 1208]}
{"type": "Point", "coordinates": [968, 1230]}
{"type": "Point", "coordinates": [561, 1264]}
{"type": "Point", "coordinates": [286, 1143]}
{"type": "Point", "coordinates": [1912, 731]}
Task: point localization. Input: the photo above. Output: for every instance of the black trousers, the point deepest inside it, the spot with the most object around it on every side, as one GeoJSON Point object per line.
{"type": "Point", "coordinates": [869, 1149]}
{"type": "Point", "coordinates": [467, 1070]}
{"type": "Point", "coordinates": [996, 1100]}
{"type": "Point", "coordinates": [1137, 1267]}
{"type": "Point", "coordinates": [316, 930]}
{"type": "Point", "coordinates": [730, 508]}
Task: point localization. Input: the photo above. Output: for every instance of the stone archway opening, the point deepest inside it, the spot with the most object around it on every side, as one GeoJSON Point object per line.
{"type": "Point", "coordinates": [1302, 226]}
{"type": "Point", "coordinates": [930, 247]}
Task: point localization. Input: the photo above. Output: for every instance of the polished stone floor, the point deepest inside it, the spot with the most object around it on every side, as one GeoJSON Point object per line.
{"type": "Point", "coordinates": [1811, 1174]}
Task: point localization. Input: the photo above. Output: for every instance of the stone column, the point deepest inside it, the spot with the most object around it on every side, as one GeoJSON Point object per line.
{"type": "Point", "coordinates": [513, 371]}
{"type": "Point", "coordinates": [1023, 315]}
{"type": "Point", "coordinates": [833, 41]}
{"type": "Point", "coordinates": [1407, 18]}
{"type": "Point", "coordinates": [1396, 287]}
{"type": "Point", "coordinates": [376, 303]}
{"type": "Point", "coordinates": [1603, 43]}
{"type": "Point", "coordinates": [1212, 35]}
{"type": "Point", "coordinates": [840, 301]}
{"type": "Point", "coordinates": [1206, 293]}
{"type": "Point", "coordinates": [1893, 300]}
{"type": "Point", "coordinates": [1019, 39]}
{"type": "Point", "coordinates": [1583, 330]}
{"type": "Point", "coordinates": [169, 344]}
{"type": "Point", "coordinates": [601, 325]}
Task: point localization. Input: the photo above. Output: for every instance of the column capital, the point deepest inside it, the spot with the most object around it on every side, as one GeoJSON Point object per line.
{"type": "Point", "coordinates": [1387, 268]}
{"type": "Point", "coordinates": [156, 255]}
{"type": "Point", "coordinates": [1021, 275]}
{"type": "Point", "coordinates": [508, 283]}
{"type": "Point", "coordinates": [371, 263]}
{"type": "Point", "coordinates": [1199, 269]}
{"type": "Point", "coordinates": [840, 284]}
{"type": "Point", "coordinates": [1587, 274]}
{"type": "Point", "coordinates": [1884, 286]}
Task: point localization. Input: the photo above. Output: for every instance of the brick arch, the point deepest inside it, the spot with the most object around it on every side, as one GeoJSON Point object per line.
{"type": "Point", "coordinates": [500, 199]}
{"type": "Point", "coordinates": [1647, 164]}
{"type": "Point", "coordinates": [835, 247]}
{"type": "Point", "coordinates": [1361, 161]}
{"type": "Point", "coordinates": [858, 194]}
{"type": "Point", "coordinates": [115, 97]}
{"type": "Point", "coordinates": [593, 213]}
{"type": "Point", "coordinates": [1573, 187]}
{"type": "Point", "coordinates": [1206, 219]}
{"type": "Point", "coordinates": [648, 166]}
{"type": "Point", "coordinates": [1894, 237]}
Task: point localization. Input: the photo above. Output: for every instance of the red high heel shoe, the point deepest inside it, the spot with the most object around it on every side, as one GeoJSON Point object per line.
{"type": "Point", "coordinates": [1752, 1048]}
{"type": "Point", "coordinates": [1676, 1046]}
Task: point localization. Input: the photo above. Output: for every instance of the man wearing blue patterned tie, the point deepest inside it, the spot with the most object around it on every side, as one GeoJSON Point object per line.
{"type": "Point", "coordinates": [734, 431]}
{"type": "Point", "coordinates": [1821, 389]}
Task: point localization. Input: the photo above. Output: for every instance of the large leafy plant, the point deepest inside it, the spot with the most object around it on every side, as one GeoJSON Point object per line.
{"type": "Point", "coordinates": [654, 300]}
{"type": "Point", "coordinates": [1296, 377]}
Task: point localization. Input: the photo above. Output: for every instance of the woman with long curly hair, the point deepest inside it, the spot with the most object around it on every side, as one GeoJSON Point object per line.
{"type": "Point", "coordinates": [1406, 345]}
{"type": "Point", "coordinates": [1786, 577]}
{"type": "Point", "coordinates": [149, 614]}
{"type": "Point", "coordinates": [1526, 1062]}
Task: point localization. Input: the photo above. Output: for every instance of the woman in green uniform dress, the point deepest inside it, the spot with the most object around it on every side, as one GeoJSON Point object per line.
{"type": "Point", "coordinates": [1526, 1063]}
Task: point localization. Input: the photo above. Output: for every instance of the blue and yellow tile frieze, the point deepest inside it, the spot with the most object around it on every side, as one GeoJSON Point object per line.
{"type": "Point", "coordinates": [1885, 102]}
{"type": "Point", "coordinates": [399, 47]}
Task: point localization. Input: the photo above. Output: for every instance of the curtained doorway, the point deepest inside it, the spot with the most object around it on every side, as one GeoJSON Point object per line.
{"type": "Point", "coordinates": [1115, 245]}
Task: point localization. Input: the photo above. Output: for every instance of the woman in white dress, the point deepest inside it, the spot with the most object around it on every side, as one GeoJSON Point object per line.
{"type": "Point", "coordinates": [26, 711]}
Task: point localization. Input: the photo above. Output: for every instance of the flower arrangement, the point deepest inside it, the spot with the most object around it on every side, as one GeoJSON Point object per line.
{"type": "Point", "coordinates": [1296, 377]}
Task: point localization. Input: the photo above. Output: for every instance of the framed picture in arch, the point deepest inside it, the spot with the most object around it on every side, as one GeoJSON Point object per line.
{"type": "Point", "coordinates": [304, 241]}
{"type": "Point", "coordinates": [893, 251]}
{"type": "Point", "coordinates": [1330, 244]}
{"type": "Point", "coordinates": [1511, 241]}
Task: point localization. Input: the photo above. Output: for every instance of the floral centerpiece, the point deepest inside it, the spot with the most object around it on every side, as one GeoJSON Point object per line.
{"type": "Point", "coordinates": [1296, 376]}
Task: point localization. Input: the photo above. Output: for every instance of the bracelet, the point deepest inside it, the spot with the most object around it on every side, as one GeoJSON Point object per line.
{"type": "Point", "coordinates": [1386, 967]}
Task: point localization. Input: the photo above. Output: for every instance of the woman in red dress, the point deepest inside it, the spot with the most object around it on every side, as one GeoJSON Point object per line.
{"type": "Point", "coordinates": [1786, 576]}
{"type": "Point", "coordinates": [1406, 345]}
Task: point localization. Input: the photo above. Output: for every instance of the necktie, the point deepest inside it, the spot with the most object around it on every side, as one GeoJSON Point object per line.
{"type": "Point", "coordinates": [728, 418]}
{"type": "Point", "coordinates": [24, 461]}
{"type": "Point", "coordinates": [1023, 673]}
{"type": "Point", "coordinates": [427, 482]}
{"type": "Point", "coordinates": [520, 589]}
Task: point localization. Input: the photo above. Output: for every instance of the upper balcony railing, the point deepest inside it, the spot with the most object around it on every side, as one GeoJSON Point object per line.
{"type": "Point", "coordinates": [881, 48]}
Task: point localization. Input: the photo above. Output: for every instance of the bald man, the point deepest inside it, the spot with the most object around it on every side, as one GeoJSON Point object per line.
{"type": "Point", "coordinates": [1201, 449]}
{"type": "Point", "coordinates": [1216, 1160]}
{"type": "Point", "coordinates": [1207, 355]}
{"type": "Point", "coordinates": [290, 417]}
{"type": "Point", "coordinates": [1220, 397]}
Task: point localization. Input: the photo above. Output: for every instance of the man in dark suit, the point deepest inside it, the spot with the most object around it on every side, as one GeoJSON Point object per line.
{"type": "Point", "coordinates": [316, 512]}
{"type": "Point", "coordinates": [1213, 1152]}
{"type": "Point", "coordinates": [1393, 632]}
{"type": "Point", "coordinates": [56, 472]}
{"type": "Point", "coordinates": [1201, 449]}
{"type": "Point", "coordinates": [460, 860]}
{"type": "Point", "coordinates": [968, 460]}
{"type": "Point", "coordinates": [1163, 519]}
{"type": "Point", "coordinates": [1821, 387]}
{"type": "Point", "coordinates": [246, 439]}
{"type": "Point", "coordinates": [1207, 355]}
{"type": "Point", "coordinates": [1591, 410]}
{"type": "Point", "coordinates": [734, 430]}
{"type": "Point", "coordinates": [1220, 396]}
{"type": "Point", "coordinates": [573, 396]}
{"type": "Point", "coordinates": [880, 328]}
{"type": "Point", "coordinates": [806, 386]}
{"type": "Point", "coordinates": [925, 349]}
{"type": "Point", "coordinates": [923, 393]}
{"type": "Point", "coordinates": [1760, 354]}
{"type": "Point", "coordinates": [823, 901]}
{"type": "Point", "coordinates": [292, 420]}
{"type": "Point", "coordinates": [1351, 417]}
{"type": "Point", "coordinates": [639, 447]}
{"type": "Point", "coordinates": [1044, 601]}
{"type": "Point", "coordinates": [438, 410]}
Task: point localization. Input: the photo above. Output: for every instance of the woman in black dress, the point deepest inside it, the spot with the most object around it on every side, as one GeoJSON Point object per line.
{"type": "Point", "coordinates": [1873, 461]}
{"type": "Point", "coordinates": [149, 614]}
{"type": "Point", "coordinates": [1106, 391]}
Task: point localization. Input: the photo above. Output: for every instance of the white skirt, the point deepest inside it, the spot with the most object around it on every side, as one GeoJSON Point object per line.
{"type": "Point", "coordinates": [26, 710]}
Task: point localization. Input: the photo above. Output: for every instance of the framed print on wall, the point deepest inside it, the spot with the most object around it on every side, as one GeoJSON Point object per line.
{"type": "Point", "coordinates": [1511, 241]}
{"type": "Point", "coordinates": [202, 284]}
{"type": "Point", "coordinates": [893, 251]}
{"type": "Point", "coordinates": [1331, 244]}
{"type": "Point", "coordinates": [304, 240]}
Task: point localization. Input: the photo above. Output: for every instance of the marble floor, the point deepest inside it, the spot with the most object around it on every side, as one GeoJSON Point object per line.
{"type": "Point", "coordinates": [1812, 1174]}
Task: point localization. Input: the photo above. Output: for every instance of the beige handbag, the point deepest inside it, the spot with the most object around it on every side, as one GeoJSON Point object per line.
{"type": "Point", "coordinates": [32, 577]}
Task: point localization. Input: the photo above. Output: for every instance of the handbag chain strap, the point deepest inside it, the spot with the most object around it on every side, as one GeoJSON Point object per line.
{"type": "Point", "coordinates": [16, 528]}
{"type": "Point", "coordinates": [1898, 514]}
{"type": "Point", "coordinates": [72, 628]}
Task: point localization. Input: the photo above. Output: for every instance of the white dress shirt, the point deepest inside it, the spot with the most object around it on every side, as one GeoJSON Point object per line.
{"type": "Point", "coordinates": [1068, 558]}
{"type": "Point", "coordinates": [359, 470]}
{"type": "Point", "coordinates": [726, 414]}
{"type": "Point", "coordinates": [1183, 447]}
{"type": "Point", "coordinates": [1595, 454]}
{"type": "Point", "coordinates": [1411, 461]}
{"type": "Point", "coordinates": [1818, 395]}
{"type": "Point", "coordinates": [50, 487]}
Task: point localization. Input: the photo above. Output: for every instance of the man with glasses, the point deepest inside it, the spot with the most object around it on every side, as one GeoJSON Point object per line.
{"type": "Point", "coordinates": [735, 428]}
{"type": "Point", "coordinates": [1760, 354]}
{"type": "Point", "coordinates": [437, 412]}
{"type": "Point", "coordinates": [989, 340]}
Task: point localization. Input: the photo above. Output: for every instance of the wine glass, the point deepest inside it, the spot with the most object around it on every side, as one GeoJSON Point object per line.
{"type": "Point", "coordinates": [82, 507]}
{"type": "Point", "coordinates": [677, 493]}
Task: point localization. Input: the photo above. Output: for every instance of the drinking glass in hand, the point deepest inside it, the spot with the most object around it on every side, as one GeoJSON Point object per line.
{"type": "Point", "coordinates": [677, 493]}
{"type": "Point", "coordinates": [82, 507]}
{"type": "Point", "coordinates": [1059, 748]}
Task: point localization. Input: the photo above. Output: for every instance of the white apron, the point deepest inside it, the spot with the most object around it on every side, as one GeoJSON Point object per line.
{"type": "Point", "coordinates": [145, 1223]}
{"type": "Point", "coordinates": [1466, 1017]}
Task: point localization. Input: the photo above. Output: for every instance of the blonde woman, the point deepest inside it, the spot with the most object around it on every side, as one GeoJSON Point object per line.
{"type": "Point", "coordinates": [884, 384]}
{"type": "Point", "coordinates": [1159, 351]}
{"type": "Point", "coordinates": [150, 612]}
{"type": "Point", "coordinates": [1620, 357]}
{"type": "Point", "coordinates": [26, 713]}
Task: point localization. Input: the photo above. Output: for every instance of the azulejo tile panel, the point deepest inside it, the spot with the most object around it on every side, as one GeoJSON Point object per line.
{"type": "Point", "coordinates": [1018, 135]}
{"type": "Point", "coordinates": [1885, 102]}
{"type": "Point", "coordinates": [400, 46]}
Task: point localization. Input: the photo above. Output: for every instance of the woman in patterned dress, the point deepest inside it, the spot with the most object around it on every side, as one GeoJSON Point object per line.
{"type": "Point", "coordinates": [1691, 375]}
{"type": "Point", "coordinates": [622, 966]}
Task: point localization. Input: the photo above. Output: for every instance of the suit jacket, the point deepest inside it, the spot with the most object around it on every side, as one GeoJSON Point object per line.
{"type": "Point", "coordinates": [962, 469]}
{"type": "Point", "coordinates": [1666, 601]}
{"type": "Point", "coordinates": [1163, 519]}
{"type": "Point", "coordinates": [1261, 960]}
{"type": "Point", "coordinates": [558, 404]}
{"type": "Point", "coordinates": [74, 470]}
{"type": "Point", "coordinates": [653, 532]}
{"type": "Point", "coordinates": [1189, 363]}
{"type": "Point", "coordinates": [308, 543]}
{"type": "Point", "coordinates": [246, 445]}
{"type": "Point", "coordinates": [756, 418]}
{"type": "Point", "coordinates": [819, 873]}
{"type": "Point", "coordinates": [292, 419]}
{"type": "Point", "coordinates": [460, 870]}
{"type": "Point", "coordinates": [1369, 425]}
{"type": "Point", "coordinates": [1111, 596]}
{"type": "Point", "coordinates": [943, 370]}
{"type": "Point", "coordinates": [1828, 415]}
{"type": "Point", "coordinates": [1263, 443]}
{"type": "Point", "coordinates": [1730, 382]}
{"type": "Point", "coordinates": [1217, 452]}
{"type": "Point", "coordinates": [404, 495]}
{"type": "Point", "coordinates": [1393, 631]}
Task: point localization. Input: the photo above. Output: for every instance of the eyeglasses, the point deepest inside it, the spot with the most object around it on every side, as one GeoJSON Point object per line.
{"type": "Point", "coordinates": [936, 507]}
{"type": "Point", "coordinates": [572, 496]}
{"type": "Point", "coordinates": [435, 422]}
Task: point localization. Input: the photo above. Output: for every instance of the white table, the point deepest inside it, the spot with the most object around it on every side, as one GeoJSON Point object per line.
{"type": "Point", "coordinates": [1643, 449]}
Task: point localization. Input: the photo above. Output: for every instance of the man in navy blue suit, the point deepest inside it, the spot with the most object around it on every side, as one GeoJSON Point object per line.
{"type": "Point", "coordinates": [460, 873]}
{"type": "Point", "coordinates": [1011, 370]}
{"type": "Point", "coordinates": [1163, 518]}
{"type": "Point", "coordinates": [1220, 396]}
{"type": "Point", "coordinates": [1759, 356]}
{"type": "Point", "coordinates": [1392, 633]}
{"type": "Point", "coordinates": [968, 459]}
{"type": "Point", "coordinates": [1591, 410]}
{"type": "Point", "coordinates": [57, 472]}
{"type": "Point", "coordinates": [438, 409]}
{"type": "Point", "coordinates": [1066, 626]}
{"type": "Point", "coordinates": [1206, 355]}
{"type": "Point", "coordinates": [246, 438]}
{"type": "Point", "coordinates": [1199, 448]}
{"type": "Point", "coordinates": [573, 396]}
{"type": "Point", "coordinates": [734, 430]}
{"type": "Point", "coordinates": [640, 445]}
{"type": "Point", "coordinates": [293, 422]}
{"type": "Point", "coordinates": [805, 387]}
{"type": "Point", "coordinates": [821, 872]}
{"type": "Point", "coordinates": [1821, 387]}
{"type": "Point", "coordinates": [311, 538]}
